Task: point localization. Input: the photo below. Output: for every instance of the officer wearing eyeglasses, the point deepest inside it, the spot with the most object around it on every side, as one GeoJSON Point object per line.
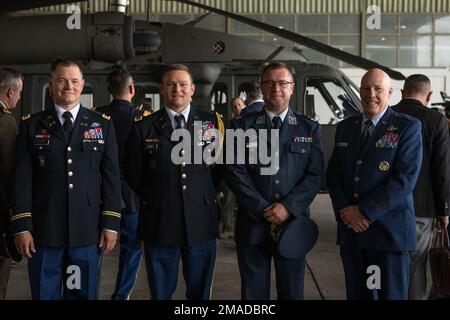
{"type": "Point", "coordinates": [269, 202]}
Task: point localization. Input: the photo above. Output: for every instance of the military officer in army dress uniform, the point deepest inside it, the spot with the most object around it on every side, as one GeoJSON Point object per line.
{"type": "Point", "coordinates": [66, 191]}
{"type": "Point", "coordinates": [11, 84]}
{"type": "Point", "coordinates": [179, 214]}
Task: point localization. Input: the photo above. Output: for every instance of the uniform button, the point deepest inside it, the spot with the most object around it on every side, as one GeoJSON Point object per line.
{"type": "Point", "coordinates": [183, 164]}
{"type": "Point", "coordinates": [70, 173]}
{"type": "Point", "coordinates": [95, 148]}
{"type": "Point", "coordinates": [277, 181]}
{"type": "Point", "coordinates": [276, 196]}
{"type": "Point", "coordinates": [70, 186]}
{"type": "Point", "coordinates": [357, 179]}
{"type": "Point", "coordinates": [184, 175]}
{"type": "Point", "coordinates": [69, 149]}
{"type": "Point", "coordinates": [40, 148]}
{"type": "Point", "coordinates": [356, 195]}
{"type": "Point", "coordinates": [69, 161]}
{"type": "Point", "coordinates": [184, 187]}
{"type": "Point", "coordinates": [359, 162]}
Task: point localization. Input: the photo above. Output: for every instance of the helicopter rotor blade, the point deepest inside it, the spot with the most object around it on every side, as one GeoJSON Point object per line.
{"type": "Point", "coordinates": [302, 40]}
{"type": "Point", "coordinates": [15, 5]}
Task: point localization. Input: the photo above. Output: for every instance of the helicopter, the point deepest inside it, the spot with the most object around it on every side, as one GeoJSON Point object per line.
{"type": "Point", "coordinates": [221, 63]}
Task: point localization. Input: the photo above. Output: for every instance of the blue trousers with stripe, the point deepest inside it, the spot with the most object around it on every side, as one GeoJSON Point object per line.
{"type": "Point", "coordinates": [130, 255]}
{"type": "Point", "coordinates": [65, 273]}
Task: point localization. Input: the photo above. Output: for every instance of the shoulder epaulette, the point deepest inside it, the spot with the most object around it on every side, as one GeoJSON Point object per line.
{"type": "Point", "coordinates": [104, 116]}
{"type": "Point", "coordinates": [145, 114]}
{"type": "Point", "coordinates": [26, 117]}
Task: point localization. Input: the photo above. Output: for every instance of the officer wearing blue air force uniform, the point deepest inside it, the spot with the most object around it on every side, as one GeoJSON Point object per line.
{"type": "Point", "coordinates": [179, 216]}
{"type": "Point", "coordinates": [66, 191]}
{"type": "Point", "coordinates": [269, 203]}
{"type": "Point", "coordinates": [371, 176]}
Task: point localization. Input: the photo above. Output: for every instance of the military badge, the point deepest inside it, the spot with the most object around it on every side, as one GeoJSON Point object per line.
{"type": "Point", "coordinates": [261, 120]}
{"type": "Point", "coordinates": [389, 140]}
{"type": "Point", "coordinates": [95, 125]}
{"type": "Point", "coordinates": [41, 160]}
{"type": "Point", "coordinates": [391, 128]}
{"type": "Point", "coordinates": [98, 133]}
{"type": "Point", "coordinates": [292, 120]}
{"type": "Point", "coordinates": [384, 166]}
{"type": "Point", "coordinates": [302, 139]}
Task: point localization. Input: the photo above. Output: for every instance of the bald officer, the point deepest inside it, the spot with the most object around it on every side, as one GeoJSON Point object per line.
{"type": "Point", "coordinates": [371, 175]}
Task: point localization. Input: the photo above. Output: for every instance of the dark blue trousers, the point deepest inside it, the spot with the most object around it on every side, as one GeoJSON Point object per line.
{"type": "Point", "coordinates": [65, 273]}
{"type": "Point", "coordinates": [393, 271]}
{"type": "Point", "coordinates": [198, 269]}
{"type": "Point", "coordinates": [130, 255]}
{"type": "Point", "coordinates": [254, 266]}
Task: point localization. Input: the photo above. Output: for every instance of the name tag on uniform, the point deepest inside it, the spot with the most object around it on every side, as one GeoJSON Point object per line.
{"type": "Point", "coordinates": [152, 144]}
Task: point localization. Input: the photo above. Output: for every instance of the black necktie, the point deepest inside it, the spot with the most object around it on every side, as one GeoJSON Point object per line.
{"type": "Point", "coordinates": [276, 122]}
{"type": "Point", "coordinates": [179, 119]}
{"type": "Point", "coordinates": [365, 134]}
{"type": "Point", "coordinates": [68, 125]}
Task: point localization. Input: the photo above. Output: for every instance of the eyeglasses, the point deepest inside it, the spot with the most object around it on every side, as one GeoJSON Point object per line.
{"type": "Point", "coordinates": [282, 83]}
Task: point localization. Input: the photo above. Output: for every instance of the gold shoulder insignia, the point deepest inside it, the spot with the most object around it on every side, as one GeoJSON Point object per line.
{"type": "Point", "coordinates": [146, 113]}
{"type": "Point", "coordinates": [104, 116]}
{"type": "Point", "coordinates": [26, 117]}
{"type": "Point", "coordinates": [136, 119]}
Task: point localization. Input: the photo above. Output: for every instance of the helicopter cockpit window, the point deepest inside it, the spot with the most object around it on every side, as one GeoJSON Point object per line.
{"type": "Point", "coordinates": [327, 101]}
{"type": "Point", "coordinates": [219, 98]}
{"type": "Point", "coordinates": [86, 98]}
{"type": "Point", "coordinates": [147, 96]}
